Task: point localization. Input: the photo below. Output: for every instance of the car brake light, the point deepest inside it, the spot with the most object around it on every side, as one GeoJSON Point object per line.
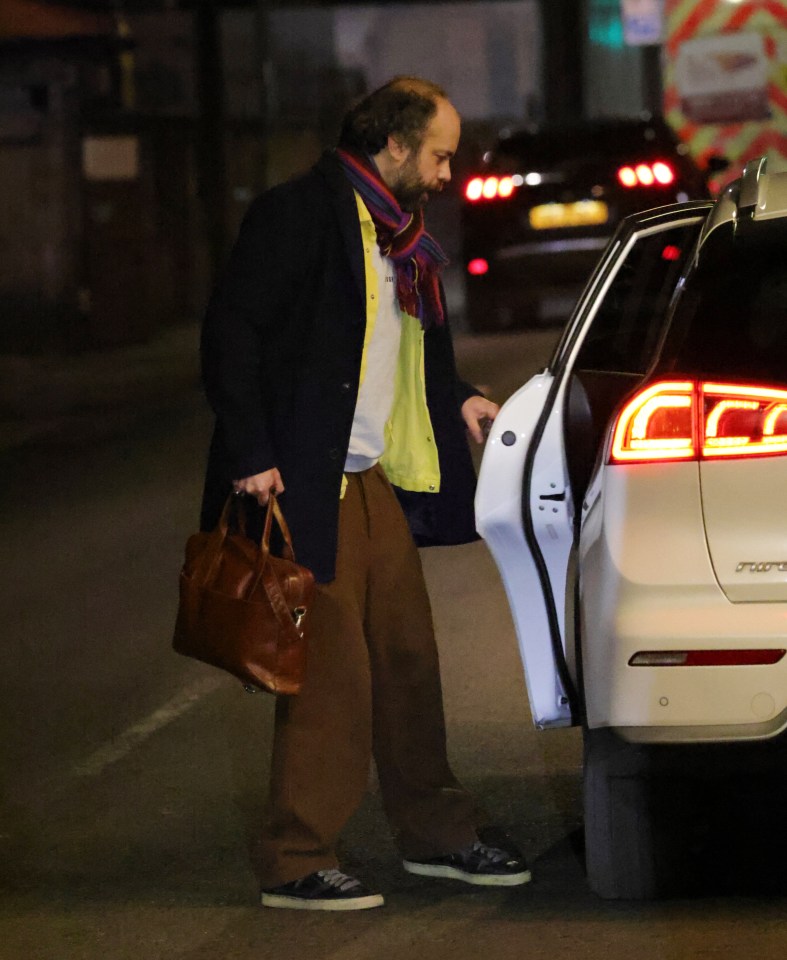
{"type": "Point", "coordinates": [690, 420]}
{"type": "Point", "coordinates": [743, 420]}
{"type": "Point", "coordinates": [505, 187]}
{"type": "Point", "coordinates": [492, 188]}
{"type": "Point", "coordinates": [489, 188]}
{"type": "Point", "coordinates": [657, 424]}
{"type": "Point", "coordinates": [647, 175]}
{"type": "Point", "coordinates": [478, 267]}
{"type": "Point", "coordinates": [474, 189]}
{"type": "Point", "coordinates": [705, 658]}
{"type": "Point", "coordinates": [663, 173]}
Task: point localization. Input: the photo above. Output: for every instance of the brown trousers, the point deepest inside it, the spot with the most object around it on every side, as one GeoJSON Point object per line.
{"type": "Point", "coordinates": [372, 689]}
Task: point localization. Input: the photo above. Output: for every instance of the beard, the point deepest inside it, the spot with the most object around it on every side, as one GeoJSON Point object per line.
{"type": "Point", "coordinates": [410, 191]}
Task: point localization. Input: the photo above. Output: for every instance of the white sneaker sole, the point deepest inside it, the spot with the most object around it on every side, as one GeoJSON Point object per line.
{"type": "Point", "coordinates": [478, 879]}
{"type": "Point", "coordinates": [300, 903]}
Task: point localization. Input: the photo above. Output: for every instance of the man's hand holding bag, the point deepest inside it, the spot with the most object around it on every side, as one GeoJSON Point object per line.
{"type": "Point", "coordinates": [241, 608]}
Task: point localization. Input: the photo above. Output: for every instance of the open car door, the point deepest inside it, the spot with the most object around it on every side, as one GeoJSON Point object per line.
{"type": "Point", "coordinates": [543, 445]}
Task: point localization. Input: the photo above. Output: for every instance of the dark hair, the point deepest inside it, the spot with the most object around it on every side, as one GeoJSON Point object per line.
{"type": "Point", "coordinates": [402, 108]}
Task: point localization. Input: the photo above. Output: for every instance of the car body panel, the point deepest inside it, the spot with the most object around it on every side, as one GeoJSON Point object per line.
{"type": "Point", "coordinates": [649, 585]}
{"type": "Point", "coordinates": [499, 521]}
{"type": "Point", "coordinates": [747, 534]}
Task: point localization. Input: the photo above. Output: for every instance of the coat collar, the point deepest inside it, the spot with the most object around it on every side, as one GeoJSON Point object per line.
{"type": "Point", "coordinates": [329, 168]}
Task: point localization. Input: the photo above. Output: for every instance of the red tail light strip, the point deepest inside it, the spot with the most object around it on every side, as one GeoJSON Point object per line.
{"type": "Point", "coordinates": [689, 420]}
{"type": "Point", "coordinates": [705, 658]}
{"type": "Point", "coordinates": [647, 175]}
{"type": "Point", "coordinates": [657, 424]}
{"type": "Point", "coordinates": [658, 174]}
{"type": "Point", "coordinates": [769, 407]}
{"type": "Point", "coordinates": [491, 188]}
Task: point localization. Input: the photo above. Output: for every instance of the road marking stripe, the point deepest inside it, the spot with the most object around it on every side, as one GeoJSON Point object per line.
{"type": "Point", "coordinates": [120, 746]}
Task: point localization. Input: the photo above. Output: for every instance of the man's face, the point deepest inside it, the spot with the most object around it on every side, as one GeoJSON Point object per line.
{"type": "Point", "coordinates": [429, 169]}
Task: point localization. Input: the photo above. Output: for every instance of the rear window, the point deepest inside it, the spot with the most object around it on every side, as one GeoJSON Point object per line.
{"type": "Point", "coordinates": [630, 320]}
{"type": "Point", "coordinates": [553, 145]}
{"type": "Point", "coordinates": [731, 318]}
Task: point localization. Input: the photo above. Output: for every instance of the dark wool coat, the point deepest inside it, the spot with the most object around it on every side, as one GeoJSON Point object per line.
{"type": "Point", "coordinates": [281, 354]}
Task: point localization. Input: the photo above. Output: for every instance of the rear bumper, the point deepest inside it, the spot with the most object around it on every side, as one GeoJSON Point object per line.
{"type": "Point", "coordinates": [648, 585]}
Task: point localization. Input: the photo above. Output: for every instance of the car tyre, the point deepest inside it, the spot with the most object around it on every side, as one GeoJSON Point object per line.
{"type": "Point", "coordinates": [621, 852]}
{"type": "Point", "coordinates": [619, 856]}
{"type": "Point", "coordinates": [666, 820]}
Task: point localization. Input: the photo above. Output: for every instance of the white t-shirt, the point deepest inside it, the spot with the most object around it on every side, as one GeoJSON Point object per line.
{"type": "Point", "coordinates": [376, 393]}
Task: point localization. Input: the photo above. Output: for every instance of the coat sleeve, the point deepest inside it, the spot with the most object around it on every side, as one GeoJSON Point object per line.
{"type": "Point", "coordinates": [250, 300]}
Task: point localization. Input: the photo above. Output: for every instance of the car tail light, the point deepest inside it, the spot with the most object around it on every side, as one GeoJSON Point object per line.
{"type": "Point", "coordinates": [663, 173]}
{"type": "Point", "coordinates": [657, 424]}
{"type": "Point", "coordinates": [647, 175]}
{"type": "Point", "coordinates": [492, 188]}
{"type": "Point", "coordinates": [691, 420]}
{"type": "Point", "coordinates": [505, 187]}
{"type": "Point", "coordinates": [478, 267]}
{"type": "Point", "coordinates": [705, 658]}
{"type": "Point", "coordinates": [474, 190]}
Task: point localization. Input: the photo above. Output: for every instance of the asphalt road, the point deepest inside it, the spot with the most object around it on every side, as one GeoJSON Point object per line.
{"type": "Point", "coordinates": [133, 779]}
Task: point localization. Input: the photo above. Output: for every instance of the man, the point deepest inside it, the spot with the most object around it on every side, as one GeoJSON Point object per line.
{"type": "Point", "coordinates": [329, 365]}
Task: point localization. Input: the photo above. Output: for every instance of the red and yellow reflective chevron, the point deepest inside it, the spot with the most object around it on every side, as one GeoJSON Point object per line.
{"type": "Point", "coordinates": [689, 19]}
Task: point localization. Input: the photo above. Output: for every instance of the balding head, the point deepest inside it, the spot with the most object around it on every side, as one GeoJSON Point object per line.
{"type": "Point", "coordinates": [401, 108]}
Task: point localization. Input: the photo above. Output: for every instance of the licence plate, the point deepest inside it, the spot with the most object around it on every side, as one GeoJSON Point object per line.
{"type": "Point", "coordinates": [581, 213]}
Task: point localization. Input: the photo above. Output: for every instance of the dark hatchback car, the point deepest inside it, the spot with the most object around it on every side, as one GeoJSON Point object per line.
{"type": "Point", "coordinates": [542, 206]}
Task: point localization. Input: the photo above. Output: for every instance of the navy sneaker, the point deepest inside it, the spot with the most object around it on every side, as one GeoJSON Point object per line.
{"type": "Point", "coordinates": [323, 890]}
{"type": "Point", "coordinates": [481, 863]}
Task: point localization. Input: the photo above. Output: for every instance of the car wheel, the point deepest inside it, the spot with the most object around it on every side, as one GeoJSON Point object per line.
{"type": "Point", "coordinates": [667, 820]}
{"type": "Point", "coordinates": [619, 850]}
{"type": "Point", "coordinates": [640, 827]}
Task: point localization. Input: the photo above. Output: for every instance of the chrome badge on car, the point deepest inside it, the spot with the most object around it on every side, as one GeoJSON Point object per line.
{"type": "Point", "coordinates": [762, 566]}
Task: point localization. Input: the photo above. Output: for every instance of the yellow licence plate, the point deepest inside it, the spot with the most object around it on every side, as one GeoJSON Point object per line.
{"type": "Point", "coordinates": [582, 213]}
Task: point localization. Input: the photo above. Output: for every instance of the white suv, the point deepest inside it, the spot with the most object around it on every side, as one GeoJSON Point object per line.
{"type": "Point", "coordinates": [634, 497]}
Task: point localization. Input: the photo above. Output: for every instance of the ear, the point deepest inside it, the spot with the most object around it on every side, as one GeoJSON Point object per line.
{"type": "Point", "coordinates": [397, 149]}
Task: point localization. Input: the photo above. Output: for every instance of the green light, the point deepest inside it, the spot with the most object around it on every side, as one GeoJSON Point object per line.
{"type": "Point", "coordinates": [606, 31]}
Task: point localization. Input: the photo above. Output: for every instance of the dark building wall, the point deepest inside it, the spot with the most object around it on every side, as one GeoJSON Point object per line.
{"type": "Point", "coordinates": [40, 212]}
{"type": "Point", "coordinates": [563, 24]}
{"type": "Point", "coordinates": [69, 244]}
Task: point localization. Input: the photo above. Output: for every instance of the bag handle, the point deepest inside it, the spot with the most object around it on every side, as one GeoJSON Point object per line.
{"type": "Point", "coordinates": [274, 510]}
{"type": "Point", "coordinates": [212, 555]}
{"type": "Point", "coordinates": [210, 558]}
{"type": "Point", "coordinates": [289, 621]}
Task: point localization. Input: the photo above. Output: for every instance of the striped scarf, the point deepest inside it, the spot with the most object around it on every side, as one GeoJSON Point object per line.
{"type": "Point", "coordinates": [417, 257]}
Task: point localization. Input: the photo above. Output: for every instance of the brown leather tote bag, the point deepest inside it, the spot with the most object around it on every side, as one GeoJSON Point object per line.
{"type": "Point", "coordinates": [241, 608]}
